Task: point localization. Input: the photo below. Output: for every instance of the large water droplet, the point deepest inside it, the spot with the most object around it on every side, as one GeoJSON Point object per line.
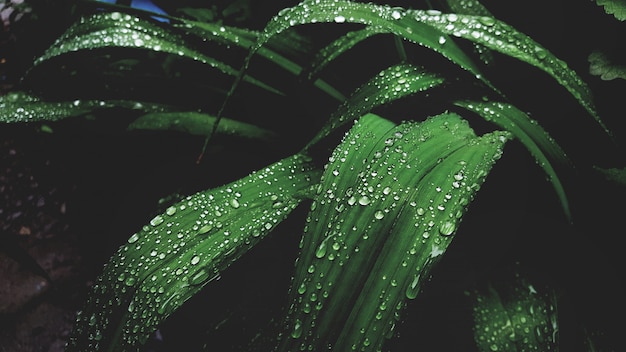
{"type": "Point", "coordinates": [297, 329]}
{"type": "Point", "coordinates": [447, 228]}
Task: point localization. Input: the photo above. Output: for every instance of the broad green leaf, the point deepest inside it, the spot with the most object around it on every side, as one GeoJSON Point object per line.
{"type": "Point", "coordinates": [617, 8]}
{"type": "Point", "coordinates": [388, 204]}
{"type": "Point", "coordinates": [538, 142]}
{"type": "Point", "coordinates": [16, 107]}
{"type": "Point", "coordinates": [600, 65]}
{"type": "Point", "coordinates": [391, 84]}
{"type": "Point", "coordinates": [196, 123]}
{"type": "Point", "coordinates": [501, 37]}
{"type": "Point", "coordinates": [512, 314]}
{"type": "Point", "coordinates": [116, 29]}
{"type": "Point", "coordinates": [473, 7]}
{"type": "Point", "coordinates": [183, 249]}
{"type": "Point", "coordinates": [245, 38]}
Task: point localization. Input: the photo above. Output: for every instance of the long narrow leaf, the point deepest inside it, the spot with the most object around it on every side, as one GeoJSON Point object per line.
{"type": "Point", "coordinates": [115, 29]}
{"type": "Point", "coordinates": [391, 84]}
{"type": "Point", "coordinates": [245, 39]}
{"type": "Point", "coordinates": [182, 250]}
{"type": "Point", "coordinates": [505, 39]}
{"type": "Point", "coordinates": [538, 142]}
{"type": "Point", "coordinates": [196, 123]}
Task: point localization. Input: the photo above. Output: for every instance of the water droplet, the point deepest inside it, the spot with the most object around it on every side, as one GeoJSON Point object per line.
{"type": "Point", "coordinates": [297, 329]}
{"type": "Point", "coordinates": [157, 220]}
{"type": "Point", "coordinates": [234, 203]}
{"type": "Point", "coordinates": [133, 238]}
{"type": "Point", "coordinates": [364, 200]}
{"type": "Point", "coordinates": [442, 40]}
{"type": "Point", "coordinates": [195, 260]}
{"type": "Point", "coordinates": [170, 211]}
{"type": "Point", "coordinates": [204, 229]}
{"type": "Point", "coordinates": [379, 214]}
{"type": "Point", "coordinates": [340, 19]}
{"type": "Point", "coordinates": [447, 228]}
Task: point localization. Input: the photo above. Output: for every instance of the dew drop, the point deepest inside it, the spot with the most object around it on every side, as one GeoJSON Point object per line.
{"type": "Point", "coordinates": [170, 211]}
{"type": "Point", "coordinates": [447, 228]}
{"type": "Point", "coordinates": [133, 238]}
{"type": "Point", "coordinates": [297, 329]}
{"type": "Point", "coordinates": [195, 260]}
{"type": "Point", "coordinates": [157, 220]}
{"type": "Point", "coordinates": [340, 19]}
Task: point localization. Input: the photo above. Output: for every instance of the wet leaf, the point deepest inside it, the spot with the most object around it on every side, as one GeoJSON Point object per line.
{"type": "Point", "coordinates": [473, 7]}
{"type": "Point", "coordinates": [116, 29]}
{"type": "Point", "coordinates": [513, 314]}
{"type": "Point", "coordinates": [201, 124]}
{"type": "Point", "coordinates": [391, 84]}
{"type": "Point", "coordinates": [183, 249]}
{"type": "Point", "coordinates": [389, 203]}
{"type": "Point", "coordinates": [617, 8]}
{"type": "Point", "coordinates": [601, 65]}
{"type": "Point", "coordinates": [538, 142]}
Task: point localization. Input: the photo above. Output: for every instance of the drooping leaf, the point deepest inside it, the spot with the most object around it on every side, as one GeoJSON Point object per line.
{"type": "Point", "coordinates": [501, 37]}
{"type": "Point", "coordinates": [116, 29]}
{"type": "Point", "coordinates": [16, 107]}
{"type": "Point", "coordinates": [388, 204]}
{"type": "Point", "coordinates": [196, 123]}
{"type": "Point", "coordinates": [183, 249]}
{"type": "Point", "coordinates": [245, 38]}
{"type": "Point", "coordinates": [617, 8]}
{"type": "Point", "coordinates": [538, 142]}
{"type": "Point", "coordinates": [512, 314]}
{"type": "Point", "coordinates": [385, 19]}
{"type": "Point", "coordinates": [391, 84]}
{"type": "Point", "coordinates": [600, 65]}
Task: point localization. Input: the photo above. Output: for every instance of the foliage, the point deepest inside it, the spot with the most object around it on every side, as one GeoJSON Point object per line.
{"type": "Point", "coordinates": [375, 127]}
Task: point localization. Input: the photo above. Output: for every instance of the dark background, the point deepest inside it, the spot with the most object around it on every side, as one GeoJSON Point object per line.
{"type": "Point", "coordinates": [71, 197]}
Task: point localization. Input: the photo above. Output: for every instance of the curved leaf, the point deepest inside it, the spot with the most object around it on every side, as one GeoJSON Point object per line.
{"type": "Point", "coordinates": [182, 250]}
{"type": "Point", "coordinates": [395, 20]}
{"type": "Point", "coordinates": [198, 124]}
{"type": "Point", "coordinates": [600, 65]}
{"type": "Point", "coordinates": [473, 7]}
{"type": "Point", "coordinates": [530, 134]}
{"type": "Point", "coordinates": [16, 107]}
{"type": "Point", "coordinates": [505, 39]}
{"type": "Point", "coordinates": [115, 29]}
{"type": "Point", "coordinates": [356, 266]}
{"type": "Point", "coordinates": [245, 39]}
{"type": "Point", "coordinates": [617, 8]}
{"type": "Point", "coordinates": [391, 84]}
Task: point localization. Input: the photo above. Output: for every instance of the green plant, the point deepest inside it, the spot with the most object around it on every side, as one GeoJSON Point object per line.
{"type": "Point", "coordinates": [377, 160]}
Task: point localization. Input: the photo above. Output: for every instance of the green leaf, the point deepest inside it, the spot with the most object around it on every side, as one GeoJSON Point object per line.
{"type": "Point", "coordinates": [512, 314]}
{"type": "Point", "coordinates": [387, 207]}
{"type": "Point", "coordinates": [501, 37]}
{"type": "Point", "coordinates": [391, 84]}
{"type": "Point", "coordinates": [201, 124]}
{"type": "Point", "coordinates": [22, 107]}
{"type": "Point", "coordinates": [116, 29]}
{"type": "Point", "coordinates": [182, 250]}
{"type": "Point", "coordinates": [385, 19]}
{"type": "Point", "coordinates": [245, 38]}
{"type": "Point", "coordinates": [615, 175]}
{"type": "Point", "coordinates": [617, 8]}
{"type": "Point", "coordinates": [600, 65]}
{"type": "Point", "coordinates": [538, 142]}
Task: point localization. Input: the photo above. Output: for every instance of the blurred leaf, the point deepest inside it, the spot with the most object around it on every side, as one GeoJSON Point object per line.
{"type": "Point", "coordinates": [196, 123]}
{"type": "Point", "coordinates": [600, 65]}
{"type": "Point", "coordinates": [617, 8]}
{"type": "Point", "coordinates": [615, 175]}
{"type": "Point", "coordinates": [513, 314]}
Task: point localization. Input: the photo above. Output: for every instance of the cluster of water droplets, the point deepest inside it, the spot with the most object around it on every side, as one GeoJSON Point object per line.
{"type": "Point", "coordinates": [186, 247]}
